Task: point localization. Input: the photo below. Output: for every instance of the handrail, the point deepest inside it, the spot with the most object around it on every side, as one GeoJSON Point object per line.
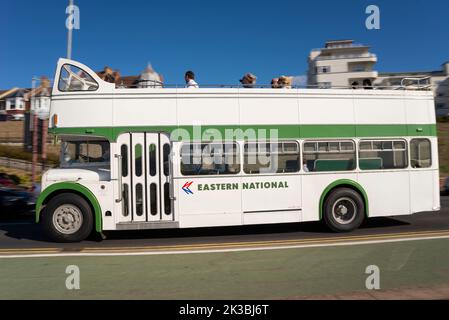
{"type": "Point", "coordinates": [418, 80]}
{"type": "Point", "coordinates": [269, 86]}
{"type": "Point", "coordinates": [119, 178]}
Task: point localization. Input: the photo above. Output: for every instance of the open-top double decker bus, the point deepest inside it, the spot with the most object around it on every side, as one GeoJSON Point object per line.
{"type": "Point", "coordinates": [159, 158]}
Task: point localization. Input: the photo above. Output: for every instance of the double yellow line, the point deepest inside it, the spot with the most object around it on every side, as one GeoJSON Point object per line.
{"type": "Point", "coordinates": [229, 245]}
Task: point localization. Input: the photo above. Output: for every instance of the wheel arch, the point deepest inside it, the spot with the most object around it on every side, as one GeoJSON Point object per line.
{"type": "Point", "coordinates": [70, 187]}
{"type": "Point", "coordinates": [348, 184]}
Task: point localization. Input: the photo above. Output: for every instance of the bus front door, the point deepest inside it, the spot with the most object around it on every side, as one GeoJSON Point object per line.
{"type": "Point", "coordinates": [144, 180]}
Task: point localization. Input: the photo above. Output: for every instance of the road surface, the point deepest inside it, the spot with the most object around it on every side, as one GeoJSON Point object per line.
{"type": "Point", "coordinates": [23, 233]}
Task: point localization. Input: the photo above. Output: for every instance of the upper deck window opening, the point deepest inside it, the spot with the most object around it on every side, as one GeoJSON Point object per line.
{"type": "Point", "coordinates": [73, 79]}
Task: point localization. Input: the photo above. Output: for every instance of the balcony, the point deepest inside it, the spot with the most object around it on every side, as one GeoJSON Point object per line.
{"type": "Point", "coordinates": [365, 57]}
{"type": "Point", "coordinates": [362, 75]}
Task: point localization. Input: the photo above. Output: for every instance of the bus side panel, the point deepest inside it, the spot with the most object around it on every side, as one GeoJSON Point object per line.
{"type": "Point", "coordinates": [388, 192]}
{"type": "Point", "coordinates": [69, 111]}
{"type": "Point", "coordinates": [200, 204]}
{"type": "Point", "coordinates": [425, 184]}
{"type": "Point", "coordinates": [421, 190]}
{"type": "Point", "coordinates": [380, 111]}
{"type": "Point", "coordinates": [146, 111]}
{"type": "Point", "coordinates": [280, 203]}
{"type": "Point", "coordinates": [313, 186]}
{"type": "Point", "coordinates": [105, 198]}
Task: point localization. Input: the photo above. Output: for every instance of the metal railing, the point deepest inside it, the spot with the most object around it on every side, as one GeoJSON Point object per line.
{"type": "Point", "coordinates": [346, 56]}
{"type": "Point", "coordinates": [269, 86]}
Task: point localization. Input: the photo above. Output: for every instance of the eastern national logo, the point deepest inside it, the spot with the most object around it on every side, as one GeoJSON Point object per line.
{"type": "Point", "coordinates": [186, 187]}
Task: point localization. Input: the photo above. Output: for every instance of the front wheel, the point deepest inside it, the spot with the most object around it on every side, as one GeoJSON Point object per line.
{"type": "Point", "coordinates": [67, 218]}
{"type": "Point", "coordinates": [344, 210]}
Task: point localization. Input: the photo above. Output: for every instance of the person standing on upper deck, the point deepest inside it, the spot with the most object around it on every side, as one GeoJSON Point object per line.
{"type": "Point", "coordinates": [190, 80]}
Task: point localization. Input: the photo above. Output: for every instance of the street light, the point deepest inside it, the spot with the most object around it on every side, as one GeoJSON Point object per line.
{"type": "Point", "coordinates": [70, 34]}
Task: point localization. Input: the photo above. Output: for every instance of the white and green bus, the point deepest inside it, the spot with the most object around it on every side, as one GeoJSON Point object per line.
{"type": "Point", "coordinates": [160, 158]}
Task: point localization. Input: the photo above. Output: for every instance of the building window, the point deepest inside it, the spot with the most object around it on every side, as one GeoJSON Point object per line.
{"type": "Point", "coordinates": [321, 156]}
{"type": "Point", "coordinates": [324, 85]}
{"type": "Point", "coordinates": [325, 69]}
{"type": "Point", "coordinates": [268, 158]}
{"type": "Point", "coordinates": [210, 159]}
{"type": "Point", "coordinates": [420, 153]}
{"type": "Point", "coordinates": [383, 154]}
{"type": "Point", "coordinates": [359, 68]}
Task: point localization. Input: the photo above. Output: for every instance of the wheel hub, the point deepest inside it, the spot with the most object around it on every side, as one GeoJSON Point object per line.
{"type": "Point", "coordinates": [67, 219]}
{"type": "Point", "coordinates": [344, 210]}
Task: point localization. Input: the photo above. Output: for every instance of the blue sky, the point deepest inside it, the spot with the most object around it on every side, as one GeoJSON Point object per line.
{"type": "Point", "coordinates": [219, 40]}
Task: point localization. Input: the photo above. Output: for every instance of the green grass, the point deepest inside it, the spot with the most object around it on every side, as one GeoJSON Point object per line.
{"type": "Point", "coordinates": [17, 152]}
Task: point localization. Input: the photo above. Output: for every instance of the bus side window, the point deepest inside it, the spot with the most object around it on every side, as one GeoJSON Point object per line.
{"type": "Point", "coordinates": [269, 157]}
{"type": "Point", "coordinates": [210, 159]}
{"type": "Point", "coordinates": [420, 153]}
{"type": "Point", "coordinates": [328, 156]}
{"type": "Point", "coordinates": [382, 154]}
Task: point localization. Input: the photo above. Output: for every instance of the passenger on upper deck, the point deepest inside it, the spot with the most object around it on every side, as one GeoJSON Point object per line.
{"type": "Point", "coordinates": [275, 83]}
{"type": "Point", "coordinates": [355, 85]}
{"type": "Point", "coordinates": [285, 82]}
{"type": "Point", "coordinates": [367, 84]}
{"type": "Point", "coordinates": [248, 80]}
{"type": "Point", "coordinates": [108, 75]}
{"type": "Point", "coordinates": [190, 80]}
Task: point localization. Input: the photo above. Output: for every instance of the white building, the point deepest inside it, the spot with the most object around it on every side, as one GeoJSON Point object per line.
{"type": "Point", "coordinates": [341, 63]}
{"type": "Point", "coordinates": [439, 80]}
{"type": "Point", "coordinates": [39, 99]}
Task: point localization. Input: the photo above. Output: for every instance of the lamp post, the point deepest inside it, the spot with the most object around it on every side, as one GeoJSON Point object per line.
{"type": "Point", "coordinates": [34, 121]}
{"type": "Point", "coordinates": [70, 35]}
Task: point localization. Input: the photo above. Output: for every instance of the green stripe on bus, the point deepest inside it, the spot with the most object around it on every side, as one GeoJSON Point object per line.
{"type": "Point", "coordinates": [244, 132]}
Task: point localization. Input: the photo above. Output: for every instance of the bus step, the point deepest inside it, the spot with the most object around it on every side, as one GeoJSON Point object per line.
{"type": "Point", "coordinates": [148, 225]}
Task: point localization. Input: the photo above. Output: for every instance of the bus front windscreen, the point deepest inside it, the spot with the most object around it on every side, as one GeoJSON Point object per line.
{"type": "Point", "coordinates": [84, 153]}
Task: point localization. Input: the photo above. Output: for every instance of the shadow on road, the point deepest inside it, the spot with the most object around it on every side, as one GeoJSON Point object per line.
{"type": "Point", "coordinates": [24, 228]}
{"type": "Point", "coordinates": [307, 228]}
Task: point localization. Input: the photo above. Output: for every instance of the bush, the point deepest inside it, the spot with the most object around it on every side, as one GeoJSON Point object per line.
{"type": "Point", "coordinates": [18, 153]}
{"type": "Point", "coordinates": [443, 119]}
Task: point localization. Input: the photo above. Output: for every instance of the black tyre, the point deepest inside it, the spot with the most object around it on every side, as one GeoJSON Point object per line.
{"type": "Point", "coordinates": [67, 218]}
{"type": "Point", "coordinates": [344, 210]}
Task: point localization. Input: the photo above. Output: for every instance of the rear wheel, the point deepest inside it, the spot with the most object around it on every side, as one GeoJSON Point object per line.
{"type": "Point", "coordinates": [67, 218]}
{"type": "Point", "coordinates": [344, 210]}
